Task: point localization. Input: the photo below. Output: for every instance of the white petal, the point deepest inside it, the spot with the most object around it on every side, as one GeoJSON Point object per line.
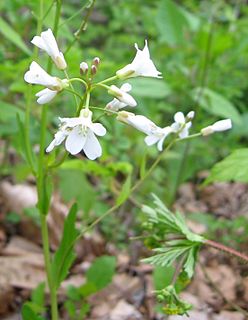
{"type": "Point", "coordinates": [222, 125]}
{"type": "Point", "coordinates": [98, 129]}
{"type": "Point", "coordinates": [179, 118]}
{"type": "Point", "coordinates": [92, 147]}
{"type": "Point", "coordinates": [115, 105]}
{"type": "Point", "coordinates": [191, 115]}
{"type": "Point", "coordinates": [70, 122]}
{"type": "Point", "coordinates": [38, 42]}
{"type": "Point", "coordinates": [128, 99]}
{"type": "Point", "coordinates": [126, 87]}
{"type": "Point", "coordinates": [75, 141]}
{"type": "Point", "coordinates": [58, 139]}
{"type": "Point", "coordinates": [37, 75]}
{"type": "Point", "coordinates": [50, 42]}
{"type": "Point", "coordinates": [160, 144]}
{"type": "Point", "coordinates": [51, 146]}
{"type": "Point", "coordinates": [45, 95]}
{"type": "Point", "coordinates": [152, 139]}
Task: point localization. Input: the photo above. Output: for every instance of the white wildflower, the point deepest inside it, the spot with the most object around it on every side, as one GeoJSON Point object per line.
{"type": "Point", "coordinates": [122, 95]}
{"type": "Point", "coordinates": [115, 104]}
{"type": "Point", "coordinates": [47, 42]}
{"type": "Point", "coordinates": [142, 65]}
{"type": "Point", "coordinates": [79, 134]}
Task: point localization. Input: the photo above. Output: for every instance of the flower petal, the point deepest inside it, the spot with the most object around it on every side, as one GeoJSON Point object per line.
{"type": "Point", "coordinates": [98, 129]}
{"type": "Point", "coordinates": [179, 117]}
{"type": "Point", "coordinates": [92, 147]}
{"type": "Point", "coordinates": [75, 141]}
{"type": "Point", "coordinates": [37, 75]}
{"type": "Point", "coordinates": [45, 95]}
{"type": "Point", "coordinates": [152, 139]}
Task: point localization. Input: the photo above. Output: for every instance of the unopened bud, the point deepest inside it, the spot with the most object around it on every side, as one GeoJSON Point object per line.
{"type": "Point", "coordinates": [96, 61]}
{"type": "Point", "coordinates": [84, 68]}
{"type": "Point", "coordinates": [190, 115]}
{"type": "Point", "coordinates": [93, 70]}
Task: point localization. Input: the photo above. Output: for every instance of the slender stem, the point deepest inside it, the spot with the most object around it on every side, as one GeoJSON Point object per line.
{"type": "Point", "coordinates": [178, 269]}
{"type": "Point", "coordinates": [80, 80]}
{"type": "Point", "coordinates": [72, 88]}
{"type": "Point", "coordinates": [82, 26]}
{"type": "Point", "coordinates": [226, 249]}
{"type": "Point", "coordinates": [192, 136]}
{"type": "Point", "coordinates": [103, 110]}
{"type": "Point", "coordinates": [99, 84]}
{"type": "Point", "coordinates": [107, 80]}
{"type": "Point", "coordinates": [74, 93]}
{"type": "Point", "coordinates": [41, 187]}
{"type": "Point", "coordinates": [74, 15]}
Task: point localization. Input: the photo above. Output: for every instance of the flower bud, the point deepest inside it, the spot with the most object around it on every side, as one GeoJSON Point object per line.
{"type": "Point", "coordinates": [190, 115]}
{"type": "Point", "coordinates": [218, 126]}
{"type": "Point", "coordinates": [84, 68]}
{"type": "Point", "coordinates": [96, 61]}
{"type": "Point", "coordinates": [93, 70]}
{"type": "Point", "coordinates": [122, 96]}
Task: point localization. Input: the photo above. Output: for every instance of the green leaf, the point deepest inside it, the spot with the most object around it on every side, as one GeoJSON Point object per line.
{"type": "Point", "coordinates": [38, 295]}
{"type": "Point", "coordinates": [29, 311]}
{"type": "Point", "coordinates": [9, 33]}
{"type": "Point", "coordinates": [101, 271]}
{"type": "Point", "coordinates": [150, 88]}
{"type": "Point", "coordinates": [215, 103]}
{"type": "Point", "coordinates": [189, 265]}
{"type": "Point", "coordinates": [172, 21]}
{"type": "Point", "coordinates": [75, 187]}
{"type": "Point", "coordinates": [9, 112]}
{"type": "Point", "coordinates": [162, 276]}
{"type": "Point", "coordinates": [233, 168]}
{"type": "Point", "coordinates": [65, 255]}
{"type": "Point", "coordinates": [125, 191]}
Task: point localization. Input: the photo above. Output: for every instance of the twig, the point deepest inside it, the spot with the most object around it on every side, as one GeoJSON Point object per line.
{"type": "Point", "coordinates": [226, 249]}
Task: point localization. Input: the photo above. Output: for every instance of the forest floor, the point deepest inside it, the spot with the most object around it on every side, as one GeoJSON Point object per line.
{"type": "Point", "coordinates": [219, 290]}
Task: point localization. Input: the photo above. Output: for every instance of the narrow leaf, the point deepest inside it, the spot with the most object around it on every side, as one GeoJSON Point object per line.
{"type": "Point", "coordinates": [65, 255]}
{"type": "Point", "coordinates": [10, 34]}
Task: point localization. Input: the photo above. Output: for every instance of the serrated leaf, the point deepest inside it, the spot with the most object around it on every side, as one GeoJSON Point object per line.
{"type": "Point", "coordinates": [215, 103]}
{"type": "Point", "coordinates": [189, 264]}
{"type": "Point", "coordinates": [233, 168]}
{"type": "Point", "coordinates": [101, 271]}
{"type": "Point", "coordinates": [65, 255]}
{"type": "Point", "coordinates": [9, 33]}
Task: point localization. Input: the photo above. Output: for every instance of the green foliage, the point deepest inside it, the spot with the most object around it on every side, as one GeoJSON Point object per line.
{"type": "Point", "coordinates": [215, 103]}
{"type": "Point", "coordinates": [65, 255]}
{"type": "Point", "coordinates": [125, 190]}
{"type": "Point", "coordinates": [98, 276]}
{"type": "Point", "coordinates": [35, 308]}
{"type": "Point", "coordinates": [185, 245]}
{"type": "Point", "coordinates": [233, 168]}
{"type": "Point", "coordinates": [101, 271]}
{"type": "Point", "coordinates": [13, 36]}
{"type": "Point", "coordinates": [172, 21]}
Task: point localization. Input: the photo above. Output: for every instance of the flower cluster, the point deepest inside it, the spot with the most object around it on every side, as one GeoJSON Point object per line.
{"type": "Point", "coordinates": [79, 133]}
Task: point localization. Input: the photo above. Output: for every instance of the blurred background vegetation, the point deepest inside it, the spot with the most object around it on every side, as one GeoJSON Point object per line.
{"type": "Point", "coordinates": [201, 48]}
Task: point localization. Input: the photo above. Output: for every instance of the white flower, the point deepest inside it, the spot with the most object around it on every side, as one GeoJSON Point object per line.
{"type": "Point", "coordinates": [37, 75]}
{"type": "Point", "coordinates": [182, 124]}
{"type": "Point", "coordinates": [158, 137]}
{"type": "Point", "coordinates": [45, 95]}
{"type": "Point", "coordinates": [116, 104]}
{"type": "Point", "coordinates": [122, 95]}
{"type": "Point", "coordinates": [141, 65]}
{"type": "Point", "coordinates": [154, 133]}
{"type": "Point", "coordinates": [80, 135]}
{"type": "Point", "coordinates": [48, 43]}
{"type": "Point", "coordinates": [139, 122]}
{"type": "Point", "coordinates": [218, 126]}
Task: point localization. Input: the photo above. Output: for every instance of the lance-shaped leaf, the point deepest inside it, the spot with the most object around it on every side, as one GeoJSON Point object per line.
{"type": "Point", "coordinates": [65, 255]}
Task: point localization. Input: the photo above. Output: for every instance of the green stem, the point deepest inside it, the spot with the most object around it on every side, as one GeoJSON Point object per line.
{"type": "Point", "coordinates": [74, 93]}
{"type": "Point", "coordinates": [71, 86]}
{"type": "Point", "coordinates": [107, 80]}
{"type": "Point", "coordinates": [41, 186]}
{"type": "Point", "coordinates": [80, 80]}
{"type": "Point", "coordinates": [82, 26]}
